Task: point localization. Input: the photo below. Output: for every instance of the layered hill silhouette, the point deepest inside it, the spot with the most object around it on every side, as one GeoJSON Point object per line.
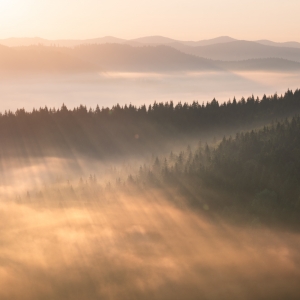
{"type": "Point", "coordinates": [160, 40]}
{"type": "Point", "coordinates": [36, 41]}
{"type": "Point", "coordinates": [115, 57]}
{"type": "Point", "coordinates": [285, 44]}
{"type": "Point", "coordinates": [41, 59]}
{"type": "Point", "coordinates": [100, 58]}
{"type": "Point", "coordinates": [240, 50]}
{"type": "Point", "coordinates": [261, 64]}
{"type": "Point", "coordinates": [152, 53]}
{"type": "Point", "coordinates": [150, 40]}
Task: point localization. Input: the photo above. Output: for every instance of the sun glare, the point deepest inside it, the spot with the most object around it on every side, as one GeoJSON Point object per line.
{"type": "Point", "coordinates": [13, 13]}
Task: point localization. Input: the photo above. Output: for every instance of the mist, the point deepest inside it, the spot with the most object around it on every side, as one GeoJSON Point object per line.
{"type": "Point", "coordinates": [89, 242]}
{"type": "Point", "coordinates": [106, 89]}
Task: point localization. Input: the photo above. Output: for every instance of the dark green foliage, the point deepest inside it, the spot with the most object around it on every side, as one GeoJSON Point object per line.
{"type": "Point", "coordinates": [257, 171]}
{"type": "Point", "coordinates": [130, 129]}
{"type": "Point", "coordinates": [268, 159]}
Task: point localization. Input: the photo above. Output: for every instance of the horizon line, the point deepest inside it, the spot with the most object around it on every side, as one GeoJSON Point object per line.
{"type": "Point", "coordinates": [147, 36]}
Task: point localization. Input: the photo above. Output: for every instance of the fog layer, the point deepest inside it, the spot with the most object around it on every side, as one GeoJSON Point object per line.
{"type": "Point", "coordinates": [110, 245]}
{"type": "Point", "coordinates": [107, 89]}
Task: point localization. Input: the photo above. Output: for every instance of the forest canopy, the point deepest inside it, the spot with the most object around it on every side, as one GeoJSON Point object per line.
{"type": "Point", "coordinates": [132, 130]}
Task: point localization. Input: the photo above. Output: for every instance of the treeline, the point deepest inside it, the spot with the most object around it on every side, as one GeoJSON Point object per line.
{"type": "Point", "coordinates": [130, 129]}
{"type": "Point", "coordinates": [254, 176]}
{"type": "Point", "coordinates": [258, 171]}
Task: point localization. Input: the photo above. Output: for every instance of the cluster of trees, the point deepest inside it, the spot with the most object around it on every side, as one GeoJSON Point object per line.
{"type": "Point", "coordinates": [131, 129]}
{"type": "Point", "coordinates": [257, 170]}
{"type": "Point", "coordinates": [255, 174]}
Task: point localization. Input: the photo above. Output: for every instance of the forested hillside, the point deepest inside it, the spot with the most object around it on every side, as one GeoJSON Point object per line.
{"type": "Point", "coordinates": [256, 173]}
{"type": "Point", "coordinates": [104, 132]}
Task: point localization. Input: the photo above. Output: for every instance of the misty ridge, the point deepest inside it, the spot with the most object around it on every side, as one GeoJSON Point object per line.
{"type": "Point", "coordinates": [149, 54]}
{"type": "Point", "coordinates": [148, 40]}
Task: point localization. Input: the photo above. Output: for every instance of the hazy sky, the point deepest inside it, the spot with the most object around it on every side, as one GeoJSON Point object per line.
{"type": "Point", "coordinates": [277, 20]}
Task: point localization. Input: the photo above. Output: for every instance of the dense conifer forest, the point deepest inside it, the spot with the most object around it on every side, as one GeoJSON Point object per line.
{"type": "Point", "coordinates": [132, 130]}
{"type": "Point", "coordinates": [251, 174]}
{"type": "Point", "coordinates": [256, 173]}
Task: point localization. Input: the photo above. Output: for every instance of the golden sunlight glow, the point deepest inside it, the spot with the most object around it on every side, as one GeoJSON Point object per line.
{"type": "Point", "coordinates": [190, 20]}
{"type": "Point", "coordinates": [13, 13]}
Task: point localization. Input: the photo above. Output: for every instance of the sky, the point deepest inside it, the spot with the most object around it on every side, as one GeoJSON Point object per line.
{"type": "Point", "coordinates": [276, 20]}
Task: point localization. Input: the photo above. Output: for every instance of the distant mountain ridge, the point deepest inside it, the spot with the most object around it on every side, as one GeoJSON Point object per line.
{"type": "Point", "coordinates": [285, 44]}
{"type": "Point", "coordinates": [148, 40]}
{"type": "Point", "coordinates": [126, 58]}
{"type": "Point", "coordinates": [159, 40]}
{"type": "Point", "coordinates": [223, 48]}
{"type": "Point", "coordinates": [41, 60]}
{"type": "Point", "coordinates": [114, 57]}
{"type": "Point", "coordinates": [240, 50]}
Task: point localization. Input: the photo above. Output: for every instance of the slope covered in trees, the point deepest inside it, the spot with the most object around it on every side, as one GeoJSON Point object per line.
{"type": "Point", "coordinates": [256, 174]}
{"type": "Point", "coordinates": [133, 130]}
{"type": "Point", "coordinates": [251, 178]}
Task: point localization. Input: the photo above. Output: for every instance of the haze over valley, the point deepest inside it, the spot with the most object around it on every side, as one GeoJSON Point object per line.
{"type": "Point", "coordinates": [109, 70]}
{"type": "Point", "coordinates": [149, 150]}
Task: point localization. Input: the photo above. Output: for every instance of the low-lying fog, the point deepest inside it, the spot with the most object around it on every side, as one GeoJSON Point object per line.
{"type": "Point", "coordinates": [107, 89]}
{"type": "Point", "coordinates": [76, 240]}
